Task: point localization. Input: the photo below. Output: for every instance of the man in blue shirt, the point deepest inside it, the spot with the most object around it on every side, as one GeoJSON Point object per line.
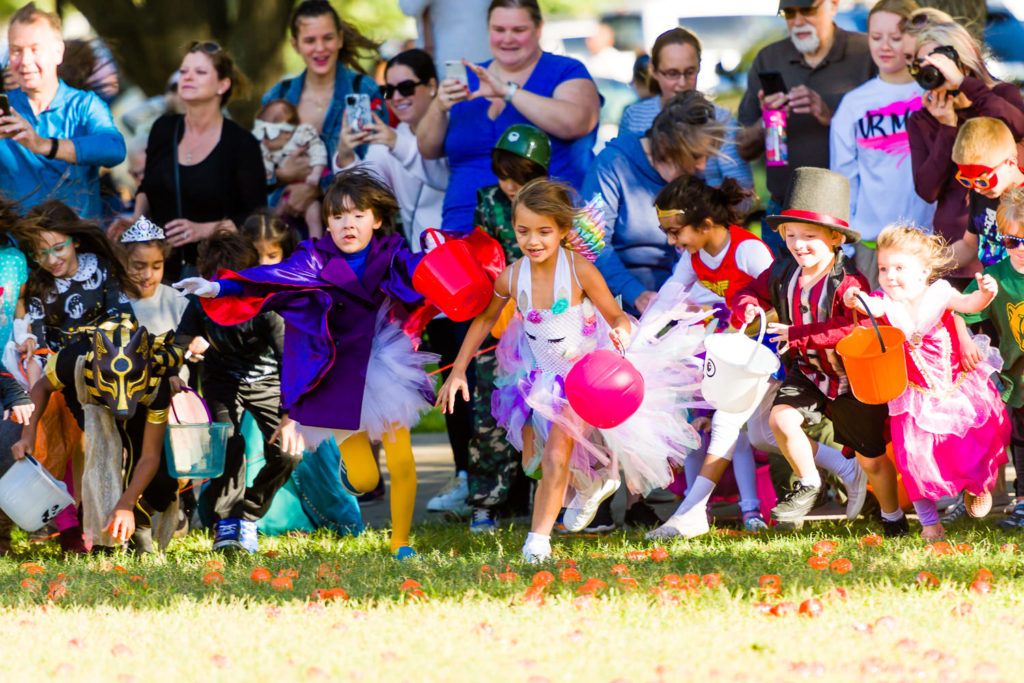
{"type": "Point", "coordinates": [56, 138]}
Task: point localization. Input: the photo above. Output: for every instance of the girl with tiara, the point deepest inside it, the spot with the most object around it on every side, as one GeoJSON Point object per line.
{"type": "Point", "coordinates": [349, 372]}
{"type": "Point", "coordinates": [558, 295]}
{"type": "Point", "coordinates": [143, 251]}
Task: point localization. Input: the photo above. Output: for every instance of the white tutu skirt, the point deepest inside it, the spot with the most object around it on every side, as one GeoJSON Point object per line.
{"type": "Point", "coordinates": [397, 390]}
{"type": "Point", "coordinates": [646, 445]}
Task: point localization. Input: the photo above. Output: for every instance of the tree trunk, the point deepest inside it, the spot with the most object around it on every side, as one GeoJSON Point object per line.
{"type": "Point", "coordinates": [149, 37]}
{"type": "Point", "coordinates": [970, 13]}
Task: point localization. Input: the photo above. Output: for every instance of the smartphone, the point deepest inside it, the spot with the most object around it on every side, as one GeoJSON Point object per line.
{"type": "Point", "coordinates": [456, 70]}
{"type": "Point", "coordinates": [771, 82]}
{"type": "Point", "coordinates": [5, 106]}
{"type": "Point", "coordinates": [357, 109]}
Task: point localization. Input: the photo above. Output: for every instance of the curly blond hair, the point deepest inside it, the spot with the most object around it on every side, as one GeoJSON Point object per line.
{"type": "Point", "coordinates": [933, 250]}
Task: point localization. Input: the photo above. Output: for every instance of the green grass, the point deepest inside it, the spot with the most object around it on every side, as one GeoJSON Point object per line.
{"type": "Point", "coordinates": [472, 626]}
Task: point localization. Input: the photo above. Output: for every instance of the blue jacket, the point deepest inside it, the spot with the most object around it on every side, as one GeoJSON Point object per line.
{"type": "Point", "coordinates": [74, 115]}
{"type": "Point", "coordinates": [637, 256]}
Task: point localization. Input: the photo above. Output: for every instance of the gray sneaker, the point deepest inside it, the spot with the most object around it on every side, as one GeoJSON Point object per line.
{"type": "Point", "coordinates": [1015, 520]}
{"type": "Point", "coordinates": [954, 513]}
{"type": "Point", "coordinates": [797, 502]}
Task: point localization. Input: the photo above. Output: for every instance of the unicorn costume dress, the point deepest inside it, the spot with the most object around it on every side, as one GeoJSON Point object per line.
{"type": "Point", "coordinates": [949, 427]}
{"type": "Point", "coordinates": [537, 351]}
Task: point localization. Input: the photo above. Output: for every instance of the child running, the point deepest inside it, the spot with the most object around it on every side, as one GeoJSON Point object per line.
{"type": "Point", "coordinates": [556, 292]}
{"type": "Point", "coordinates": [349, 372]}
{"type": "Point", "coordinates": [949, 427]}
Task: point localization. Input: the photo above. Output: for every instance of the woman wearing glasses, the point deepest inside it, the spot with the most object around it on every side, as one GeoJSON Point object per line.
{"type": "Point", "coordinates": [330, 49]}
{"type": "Point", "coordinates": [418, 184]}
{"type": "Point", "coordinates": [203, 171]}
{"type": "Point", "coordinates": [675, 63]}
{"type": "Point", "coordinates": [967, 90]}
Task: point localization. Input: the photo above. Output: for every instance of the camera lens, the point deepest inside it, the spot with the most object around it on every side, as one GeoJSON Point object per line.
{"type": "Point", "coordinates": [929, 77]}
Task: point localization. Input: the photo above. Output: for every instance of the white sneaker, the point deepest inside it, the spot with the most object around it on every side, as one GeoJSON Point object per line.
{"type": "Point", "coordinates": [690, 525]}
{"type": "Point", "coordinates": [581, 510]}
{"type": "Point", "coordinates": [452, 498]}
{"type": "Point", "coordinates": [856, 494]}
{"type": "Point", "coordinates": [537, 553]}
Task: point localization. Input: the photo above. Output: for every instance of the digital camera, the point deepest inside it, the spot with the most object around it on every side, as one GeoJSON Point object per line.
{"type": "Point", "coordinates": [927, 75]}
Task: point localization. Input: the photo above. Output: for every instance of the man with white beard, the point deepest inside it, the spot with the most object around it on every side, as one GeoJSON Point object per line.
{"type": "Point", "coordinates": [819, 63]}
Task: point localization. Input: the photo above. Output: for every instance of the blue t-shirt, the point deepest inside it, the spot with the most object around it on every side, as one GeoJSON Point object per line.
{"type": "Point", "coordinates": [472, 135]}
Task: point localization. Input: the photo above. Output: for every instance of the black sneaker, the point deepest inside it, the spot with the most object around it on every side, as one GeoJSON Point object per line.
{"type": "Point", "coordinates": [797, 502]}
{"type": "Point", "coordinates": [901, 527]}
{"type": "Point", "coordinates": [602, 521]}
{"type": "Point", "coordinates": [642, 516]}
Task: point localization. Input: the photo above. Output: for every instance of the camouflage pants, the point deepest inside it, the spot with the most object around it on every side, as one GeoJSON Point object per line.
{"type": "Point", "coordinates": [492, 459]}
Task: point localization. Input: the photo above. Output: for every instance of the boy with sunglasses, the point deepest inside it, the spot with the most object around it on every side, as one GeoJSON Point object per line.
{"type": "Point", "coordinates": [985, 154]}
{"type": "Point", "coordinates": [1006, 313]}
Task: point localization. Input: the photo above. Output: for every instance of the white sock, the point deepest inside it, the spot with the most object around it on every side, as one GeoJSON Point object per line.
{"type": "Point", "coordinates": [697, 498]}
{"type": "Point", "coordinates": [745, 470]}
{"type": "Point", "coordinates": [534, 540]}
{"type": "Point", "coordinates": [894, 516]}
{"type": "Point", "coordinates": [813, 480]}
{"type": "Point", "coordinates": [832, 460]}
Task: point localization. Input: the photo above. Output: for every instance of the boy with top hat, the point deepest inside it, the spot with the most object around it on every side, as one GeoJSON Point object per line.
{"type": "Point", "coordinates": [806, 292]}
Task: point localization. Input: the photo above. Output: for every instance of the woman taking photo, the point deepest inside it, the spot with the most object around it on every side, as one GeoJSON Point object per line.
{"type": "Point", "coordinates": [418, 184]}
{"type": "Point", "coordinates": [203, 172]}
{"type": "Point", "coordinates": [522, 84]}
{"type": "Point", "coordinates": [330, 49]}
{"type": "Point", "coordinates": [969, 90]}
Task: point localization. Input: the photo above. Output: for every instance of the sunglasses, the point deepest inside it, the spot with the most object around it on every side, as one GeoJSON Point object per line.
{"type": "Point", "coordinates": [266, 130]}
{"type": "Point", "coordinates": [207, 46]}
{"type": "Point", "coordinates": [1011, 242]}
{"type": "Point", "coordinates": [978, 177]}
{"type": "Point", "coordinates": [405, 89]}
{"type": "Point", "coordinates": [58, 250]}
{"type": "Point", "coordinates": [791, 12]}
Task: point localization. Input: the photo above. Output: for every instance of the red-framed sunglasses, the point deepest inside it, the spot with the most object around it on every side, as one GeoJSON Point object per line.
{"type": "Point", "coordinates": [978, 177]}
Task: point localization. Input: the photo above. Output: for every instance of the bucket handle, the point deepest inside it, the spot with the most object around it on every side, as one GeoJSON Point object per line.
{"type": "Point", "coordinates": [436, 238]}
{"type": "Point", "coordinates": [760, 337]}
{"type": "Point", "coordinates": [872, 318]}
{"type": "Point", "coordinates": [209, 415]}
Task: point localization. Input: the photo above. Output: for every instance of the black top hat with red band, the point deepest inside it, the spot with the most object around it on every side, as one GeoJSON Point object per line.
{"type": "Point", "coordinates": [820, 197]}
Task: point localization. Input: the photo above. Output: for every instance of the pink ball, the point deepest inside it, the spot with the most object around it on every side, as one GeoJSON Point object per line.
{"type": "Point", "coordinates": [604, 388]}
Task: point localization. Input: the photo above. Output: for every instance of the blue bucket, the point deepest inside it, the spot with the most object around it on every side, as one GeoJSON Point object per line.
{"type": "Point", "coordinates": [195, 450]}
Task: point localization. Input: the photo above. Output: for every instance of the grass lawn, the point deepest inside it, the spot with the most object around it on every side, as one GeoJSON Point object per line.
{"type": "Point", "coordinates": [123, 618]}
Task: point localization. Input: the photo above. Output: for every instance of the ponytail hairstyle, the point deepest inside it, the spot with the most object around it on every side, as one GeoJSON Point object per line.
{"type": "Point", "coordinates": [547, 198]}
{"type": "Point", "coordinates": [224, 65]}
{"type": "Point", "coordinates": [697, 201]}
{"type": "Point", "coordinates": [933, 250]}
{"type": "Point", "coordinates": [55, 216]}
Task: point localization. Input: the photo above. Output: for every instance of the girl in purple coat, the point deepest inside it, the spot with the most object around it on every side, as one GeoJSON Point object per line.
{"type": "Point", "coordinates": [349, 373]}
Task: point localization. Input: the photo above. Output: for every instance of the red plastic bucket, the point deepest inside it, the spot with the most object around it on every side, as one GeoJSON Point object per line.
{"type": "Point", "coordinates": [451, 278]}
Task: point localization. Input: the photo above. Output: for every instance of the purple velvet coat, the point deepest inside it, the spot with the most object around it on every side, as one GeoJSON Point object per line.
{"type": "Point", "coordinates": [329, 317]}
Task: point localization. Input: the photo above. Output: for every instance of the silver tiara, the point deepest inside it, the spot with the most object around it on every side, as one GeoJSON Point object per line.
{"type": "Point", "coordinates": [142, 230]}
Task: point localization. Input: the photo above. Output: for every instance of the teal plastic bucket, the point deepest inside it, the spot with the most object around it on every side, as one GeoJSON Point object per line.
{"type": "Point", "coordinates": [196, 451]}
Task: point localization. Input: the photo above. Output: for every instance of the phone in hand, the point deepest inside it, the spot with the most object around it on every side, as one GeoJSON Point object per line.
{"type": "Point", "coordinates": [456, 70]}
{"type": "Point", "coordinates": [5, 106]}
{"type": "Point", "coordinates": [357, 109]}
{"type": "Point", "coordinates": [771, 82]}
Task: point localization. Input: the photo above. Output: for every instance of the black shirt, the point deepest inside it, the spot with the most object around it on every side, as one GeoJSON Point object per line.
{"type": "Point", "coordinates": [229, 183]}
{"type": "Point", "coordinates": [248, 352]}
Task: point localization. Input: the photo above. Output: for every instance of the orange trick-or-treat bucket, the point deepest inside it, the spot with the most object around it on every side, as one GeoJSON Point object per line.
{"type": "Point", "coordinates": [874, 362]}
{"type": "Point", "coordinates": [452, 279]}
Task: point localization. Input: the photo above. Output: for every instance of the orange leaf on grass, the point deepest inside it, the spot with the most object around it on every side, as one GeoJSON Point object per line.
{"type": "Point", "coordinates": [214, 564]}
{"type": "Point", "coordinates": [811, 607]}
{"type": "Point", "coordinates": [817, 562]}
{"type": "Point", "coordinates": [534, 595]}
{"type": "Point", "coordinates": [964, 548]}
{"type": "Point", "coordinates": [28, 583]}
{"type": "Point", "coordinates": [628, 582]}
{"type": "Point", "coordinates": [507, 577]}
{"type": "Point", "coordinates": [838, 593]}
{"type": "Point", "coordinates": [841, 565]}
{"type": "Point", "coordinates": [713, 580]}
{"type": "Point", "coordinates": [981, 587]}
{"type": "Point", "coordinates": [565, 562]}
{"type": "Point", "coordinates": [672, 580]}
{"type": "Point", "coordinates": [983, 575]}
{"type": "Point", "coordinates": [57, 592]}
{"type": "Point", "coordinates": [619, 569]}
{"type": "Point", "coordinates": [871, 541]}
{"type": "Point", "coordinates": [637, 555]}
{"type": "Point", "coordinates": [213, 578]}
{"type": "Point", "coordinates": [591, 586]}
{"type": "Point", "coordinates": [658, 554]}
{"type": "Point", "coordinates": [927, 579]}
{"type": "Point", "coordinates": [485, 570]}
{"type": "Point", "coordinates": [569, 575]}
{"type": "Point", "coordinates": [824, 547]}
{"type": "Point", "coordinates": [328, 594]}
{"type": "Point", "coordinates": [409, 584]}
{"type": "Point", "coordinates": [783, 609]}
{"type": "Point", "coordinates": [282, 583]}
{"type": "Point", "coordinates": [260, 574]}
{"type": "Point", "coordinates": [1008, 548]}
{"type": "Point", "coordinates": [542, 579]}
{"type": "Point", "coordinates": [290, 573]}
{"type": "Point", "coordinates": [32, 568]}
{"type": "Point", "coordinates": [416, 594]}
{"type": "Point", "coordinates": [940, 548]}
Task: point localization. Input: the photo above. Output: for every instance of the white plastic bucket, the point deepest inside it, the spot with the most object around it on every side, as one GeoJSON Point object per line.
{"type": "Point", "coordinates": [736, 369]}
{"type": "Point", "coordinates": [30, 495]}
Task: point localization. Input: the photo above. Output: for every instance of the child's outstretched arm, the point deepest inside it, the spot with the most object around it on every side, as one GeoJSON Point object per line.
{"type": "Point", "coordinates": [978, 299]}
{"type": "Point", "coordinates": [478, 331]}
{"type": "Point", "coordinates": [121, 521]}
{"type": "Point", "coordinates": [596, 289]}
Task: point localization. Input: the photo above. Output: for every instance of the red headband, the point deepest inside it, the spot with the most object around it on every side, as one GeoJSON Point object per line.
{"type": "Point", "coordinates": [813, 216]}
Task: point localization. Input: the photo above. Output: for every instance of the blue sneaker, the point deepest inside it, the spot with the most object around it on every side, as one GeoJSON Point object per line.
{"type": "Point", "coordinates": [484, 521]}
{"type": "Point", "coordinates": [227, 534]}
{"type": "Point", "coordinates": [404, 552]}
{"type": "Point", "coordinates": [248, 536]}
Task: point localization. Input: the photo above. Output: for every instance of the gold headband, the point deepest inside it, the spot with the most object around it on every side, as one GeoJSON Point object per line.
{"type": "Point", "coordinates": [665, 213]}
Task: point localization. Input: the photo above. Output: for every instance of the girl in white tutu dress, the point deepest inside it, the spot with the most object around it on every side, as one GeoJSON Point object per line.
{"type": "Point", "coordinates": [558, 295]}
